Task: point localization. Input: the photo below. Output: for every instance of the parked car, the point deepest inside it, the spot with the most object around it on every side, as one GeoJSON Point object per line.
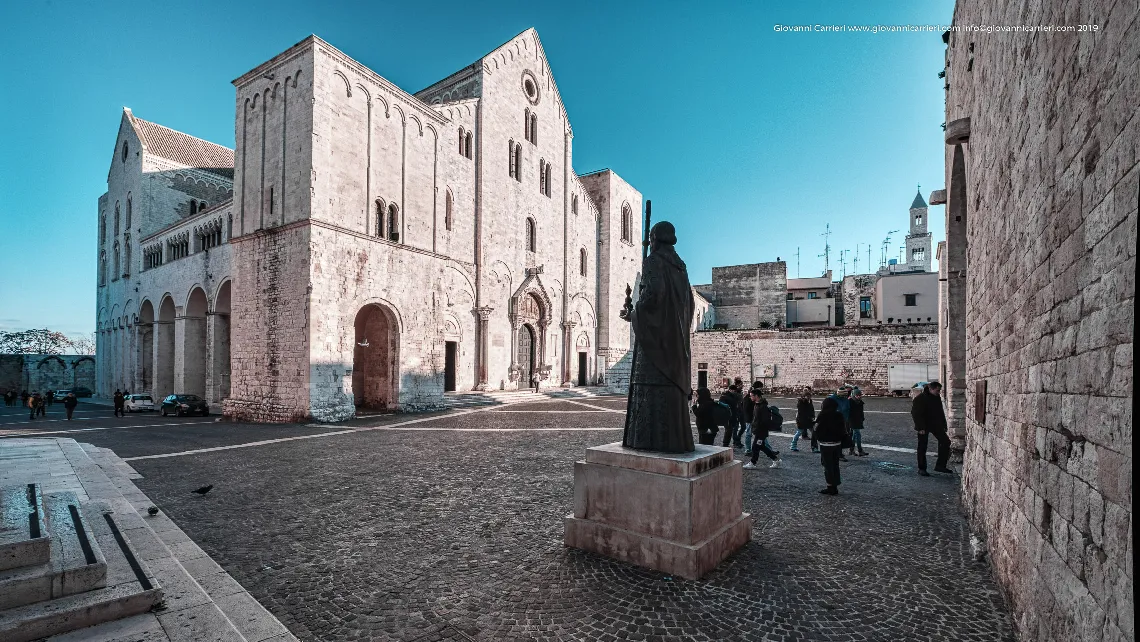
{"type": "Point", "coordinates": [138, 403]}
{"type": "Point", "coordinates": [82, 391]}
{"type": "Point", "coordinates": [60, 394]}
{"type": "Point", "coordinates": [185, 405]}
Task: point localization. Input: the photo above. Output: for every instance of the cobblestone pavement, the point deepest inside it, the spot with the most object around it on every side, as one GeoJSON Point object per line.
{"type": "Point", "coordinates": [450, 528]}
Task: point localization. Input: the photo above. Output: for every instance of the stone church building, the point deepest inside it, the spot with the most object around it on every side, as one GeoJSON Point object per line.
{"type": "Point", "coordinates": [364, 247]}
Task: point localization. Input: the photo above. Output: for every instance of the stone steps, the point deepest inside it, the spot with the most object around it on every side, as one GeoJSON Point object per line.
{"type": "Point", "coordinates": [76, 563]}
{"type": "Point", "coordinates": [23, 532]}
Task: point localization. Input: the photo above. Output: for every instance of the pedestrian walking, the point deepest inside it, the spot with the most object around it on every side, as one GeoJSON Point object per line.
{"type": "Point", "coordinates": [31, 404]}
{"type": "Point", "coordinates": [805, 417]}
{"type": "Point", "coordinates": [842, 398]}
{"type": "Point", "coordinates": [830, 430]}
{"type": "Point", "coordinates": [930, 419]}
{"type": "Point", "coordinates": [731, 399]}
{"type": "Point", "coordinates": [24, 396]}
{"type": "Point", "coordinates": [761, 424]}
{"type": "Point", "coordinates": [49, 397]}
{"type": "Point", "coordinates": [120, 403]}
{"type": "Point", "coordinates": [69, 404]}
{"type": "Point", "coordinates": [857, 423]}
{"type": "Point", "coordinates": [705, 410]}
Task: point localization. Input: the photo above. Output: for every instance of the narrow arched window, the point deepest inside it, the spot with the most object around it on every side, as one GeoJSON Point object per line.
{"type": "Point", "coordinates": [378, 219]}
{"type": "Point", "coordinates": [582, 261]}
{"type": "Point", "coordinates": [116, 218]}
{"type": "Point", "coordinates": [526, 123]}
{"type": "Point", "coordinates": [447, 212]}
{"type": "Point", "coordinates": [103, 228]}
{"type": "Point", "coordinates": [531, 235]}
{"type": "Point", "coordinates": [549, 180]}
{"type": "Point", "coordinates": [193, 207]}
{"type": "Point", "coordinates": [541, 176]}
{"type": "Point", "coordinates": [574, 204]}
{"type": "Point", "coordinates": [518, 162]}
{"type": "Point", "coordinates": [127, 256]}
{"type": "Point", "coordinates": [115, 265]}
{"type": "Point", "coordinates": [128, 210]}
{"type": "Point", "coordinates": [468, 146]}
{"type": "Point", "coordinates": [103, 268]}
{"type": "Point", "coordinates": [124, 151]}
{"type": "Point", "coordinates": [462, 138]}
{"type": "Point", "coordinates": [512, 168]}
{"type": "Point", "coordinates": [534, 128]}
{"type": "Point", "coordinates": [626, 224]}
{"type": "Point", "coordinates": [393, 223]}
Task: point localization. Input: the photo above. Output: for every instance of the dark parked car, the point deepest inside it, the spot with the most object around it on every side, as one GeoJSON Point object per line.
{"type": "Point", "coordinates": [82, 391]}
{"type": "Point", "coordinates": [185, 405]}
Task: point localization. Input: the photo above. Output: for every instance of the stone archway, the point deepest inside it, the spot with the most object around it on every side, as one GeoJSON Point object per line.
{"type": "Point", "coordinates": [376, 359]}
{"type": "Point", "coordinates": [530, 308]}
{"type": "Point", "coordinates": [164, 350]}
{"type": "Point", "coordinates": [191, 330]}
{"type": "Point", "coordinates": [145, 347]}
{"type": "Point", "coordinates": [219, 334]}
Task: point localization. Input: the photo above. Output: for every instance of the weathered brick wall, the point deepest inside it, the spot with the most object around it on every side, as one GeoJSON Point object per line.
{"type": "Point", "coordinates": [855, 287]}
{"type": "Point", "coordinates": [819, 358]}
{"type": "Point", "coordinates": [748, 295]}
{"type": "Point", "coordinates": [1051, 182]}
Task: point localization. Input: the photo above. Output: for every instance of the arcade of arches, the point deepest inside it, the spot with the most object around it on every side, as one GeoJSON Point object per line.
{"type": "Point", "coordinates": [174, 349]}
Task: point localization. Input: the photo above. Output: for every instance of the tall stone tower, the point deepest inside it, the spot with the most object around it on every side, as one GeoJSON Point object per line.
{"type": "Point", "coordinates": [918, 255]}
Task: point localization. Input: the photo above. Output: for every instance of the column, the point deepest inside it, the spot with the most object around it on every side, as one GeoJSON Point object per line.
{"type": "Point", "coordinates": [484, 345]}
{"type": "Point", "coordinates": [567, 352]}
{"type": "Point", "coordinates": [543, 368]}
{"type": "Point", "coordinates": [513, 371]}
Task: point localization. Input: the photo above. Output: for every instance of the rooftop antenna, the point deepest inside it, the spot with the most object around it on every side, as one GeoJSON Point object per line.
{"type": "Point", "coordinates": [855, 267]}
{"type": "Point", "coordinates": [886, 246]}
{"type": "Point", "coordinates": [843, 262]}
{"type": "Point", "coordinates": [797, 262]}
{"type": "Point", "coordinates": [826, 248]}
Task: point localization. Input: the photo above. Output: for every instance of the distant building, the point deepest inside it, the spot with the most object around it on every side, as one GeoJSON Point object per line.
{"type": "Point", "coordinates": [812, 302]}
{"type": "Point", "coordinates": [748, 296]}
{"type": "Point", "coordinates": [918, 255]}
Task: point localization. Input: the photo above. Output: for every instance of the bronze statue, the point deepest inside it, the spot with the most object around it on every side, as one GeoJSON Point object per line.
{"type": "Point", "coordinates": [658, 414]}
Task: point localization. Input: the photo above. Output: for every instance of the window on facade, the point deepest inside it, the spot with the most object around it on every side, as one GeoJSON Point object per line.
{"type": "Point", "coordinates": [918, 219]}
{"type": "Point", "coordinates": [116, 218]}
{"type": "Point", "coordinates": [203, 204]}
{"type": "Point", "coordinates": [541, 176]}
{"type": "Point", "coordinates": [531, 235]}
{"type": "Point", "coordinates": [193, 207]}
{"type": "Point", "coordinates": [918, 254]}
{"type": "Point", "coordinates": [115, 265]}
{"type": "Point", "coordinates": [128, 223]}
{"type": "Point", "coordinates": [447, 212]}
{"type": "Point", "coordinates": [582, 261]}
{"type": "Point", "coordinates": [467, 146]}
{"type": "Point", "coordinates": [512, 167]}
{"type": "Point", "coordinates": [549, 180]}
{"type": "Point", "coordinates": [574, 204]}
{"type": "Point", "coordinates": [526, 124]}
{"type": "Point", "coordinates": [626, 224]}
{"type": "Point", "coordinates": [124, 151]}
{"type": "Point", "coordinates": [533, 129]}
{"type": "Point", "coordinates": [126, 256]}
{"type": "Point", "coordinates": [518, 162]}
{"type": "Point", "coordinates": [864, 307]}
{"type": "Point", "coordinates": [102, 228]}
{"type": "Point", "coordinates": [462, 141]}
{"type": "Point", "coordinates": [791, 297]}
{"type": "Point", "coordinates": [102, 268]}
{"type": "Point", "coordinates": [813, 295]}
{"type": "Point", "coordinates": [911, 300]}
{"type": "Point", "coordinates": [378, 219]}
{"type": "Point", "coordinates": [393, 222]}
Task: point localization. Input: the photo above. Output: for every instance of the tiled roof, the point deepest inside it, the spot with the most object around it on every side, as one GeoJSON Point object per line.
{"type": "Point", "coordinates": [184, 148]}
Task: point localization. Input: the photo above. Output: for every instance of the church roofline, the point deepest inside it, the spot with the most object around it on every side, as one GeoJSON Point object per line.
{"type": "Point", "coordinates": [179, 147]}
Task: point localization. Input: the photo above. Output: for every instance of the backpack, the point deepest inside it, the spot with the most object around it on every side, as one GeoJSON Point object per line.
{"type": "Point", "coordinates": [777, 421]}
{"type": "Point", "coordinates": [723, 413]}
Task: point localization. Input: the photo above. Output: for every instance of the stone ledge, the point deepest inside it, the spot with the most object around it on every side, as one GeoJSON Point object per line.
{"type": "Point", "coordinates": [701, 460]}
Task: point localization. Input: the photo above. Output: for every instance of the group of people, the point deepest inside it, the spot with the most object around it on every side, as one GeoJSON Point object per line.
{"type": "Point", "coordinates": [748, 419]}
{"type": "Point", "coordinates": [37, 403]}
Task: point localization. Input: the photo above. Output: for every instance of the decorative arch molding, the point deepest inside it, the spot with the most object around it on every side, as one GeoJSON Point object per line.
{"type": "Point", "coordinates": [466, 279]}
{"type": "Point", "coordinates": [384, 303]}
{"type": "Point", "coordinates": [190, 292]}
{"type": "Point", "coordinates": [403, 117]}
{"type": "Point", "coordinates": [418, 122]}
{"type": "Point", "coordinates": [75, 364]}
{"type": "Point", "coordinates": [339, 74]}
{"type": "Point", "coordinates": [532, 285]}
{"type": "Point", "coordinates": [213, 300]}
{"type": "Point", "coordinates": [43, 362]}
{"type": "Point", "coordinates": [451, 327]}
{"type": "Point", "coordinates": [367, 94]}
{"type": "Point", "coordinates": [384, 101]}
{"type": "Point", "coordinates": [582, 304]}
{"type": "Point", "coordinates": [432, 129]}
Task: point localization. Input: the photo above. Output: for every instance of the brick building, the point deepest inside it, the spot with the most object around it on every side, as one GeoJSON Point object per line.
{"type": "Point", "coordinates": [1042, 182]}
{"type": "Point", "coordinates": [367, 247]}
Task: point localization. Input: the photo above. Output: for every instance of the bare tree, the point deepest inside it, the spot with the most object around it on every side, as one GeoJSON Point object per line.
{"type": "Point", "coordinates": [44, 341]}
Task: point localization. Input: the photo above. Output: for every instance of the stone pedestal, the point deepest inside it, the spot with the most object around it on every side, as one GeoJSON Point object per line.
{"type": "Point", "coordinates": [675, 513]}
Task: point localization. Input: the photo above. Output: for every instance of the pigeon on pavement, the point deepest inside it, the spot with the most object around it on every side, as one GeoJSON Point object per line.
{"type": "Point", "coordinates": [203, 490]}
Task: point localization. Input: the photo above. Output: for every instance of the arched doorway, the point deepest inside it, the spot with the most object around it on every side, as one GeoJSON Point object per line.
{"type": "Point", "coordinates": [526, 355]}
{"type": "Point", "coordinates": [194, 355]}
{"type": "Point", "coordinates": [220, 341]}
{"type": "Point", "coordinates": [164, 350]}
{"type": "Point", "coordinates": [145, 347]}
{"type": "Point", "coordinates": [376, 359]}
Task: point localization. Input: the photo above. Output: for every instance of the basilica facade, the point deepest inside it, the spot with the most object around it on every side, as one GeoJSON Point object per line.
{"type": "Point", "coordinates": [363, 247]}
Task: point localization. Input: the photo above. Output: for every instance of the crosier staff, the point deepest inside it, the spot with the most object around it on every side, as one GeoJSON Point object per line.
{"type": "Point", "coordinates": [627, 309]}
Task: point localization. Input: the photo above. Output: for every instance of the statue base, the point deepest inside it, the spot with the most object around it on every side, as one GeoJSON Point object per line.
{"type": "Point", "coordinates": [679, 513]}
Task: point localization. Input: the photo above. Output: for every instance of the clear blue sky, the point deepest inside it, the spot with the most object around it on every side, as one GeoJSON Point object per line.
{"type": "Point", "coordinates": [750, 141]}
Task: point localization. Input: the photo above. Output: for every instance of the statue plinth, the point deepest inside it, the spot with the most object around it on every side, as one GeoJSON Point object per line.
{"type": "Point", "coordinates": [679, 513]}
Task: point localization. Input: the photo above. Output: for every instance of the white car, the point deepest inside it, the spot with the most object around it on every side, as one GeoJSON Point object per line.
{"type": "Point", "coordinates": [139, 403]}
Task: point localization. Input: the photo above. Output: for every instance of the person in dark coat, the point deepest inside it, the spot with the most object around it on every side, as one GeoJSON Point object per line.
{"type": "Point", "coordinates": [856, 421]}
{"type": "Point", "coordinates": [830, 430]}
{"type": "Point", "coordinates": [705, 412]}
{"type": "Point", "coordinates": [761, 419]}
{"type": "Point", "coordinates": [120, 403]}
{"type": "Point", "coordinates": [805, 417]}
{"type": "Point", "coordinates": [731, 399]}
{"type": "Point", "coordinates": [69, 404]}
{"type": "Point", "coordinates": [842, 398]}
{"type": "Point", "coordinates": [660, 381]}
{"type": "Point", "coordinates": [49, 397]}
{"type": "Point", "coordinates": [930, 419]}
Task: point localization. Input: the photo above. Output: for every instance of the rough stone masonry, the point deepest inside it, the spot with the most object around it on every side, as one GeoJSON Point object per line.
{"type": "Point", "coordinates": [1043, 133]}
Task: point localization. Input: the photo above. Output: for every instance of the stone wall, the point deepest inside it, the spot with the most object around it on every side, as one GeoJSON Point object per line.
{"type": "Point", "coordinates": [747, 296]}
{"type": "Point", "coordinates": [853, 288]}
{"type": "Point", "coordinates": [1048, 195]}
{"type": "Point", "coordinates": [820, 358]}
{"type": "Point", "coordinates": [43, 372]}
